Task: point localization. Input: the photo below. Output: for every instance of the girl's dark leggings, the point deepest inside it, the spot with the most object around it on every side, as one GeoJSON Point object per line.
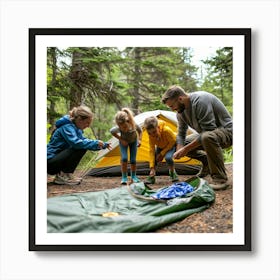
{"type": "Point", "coordinates": [66, 161]}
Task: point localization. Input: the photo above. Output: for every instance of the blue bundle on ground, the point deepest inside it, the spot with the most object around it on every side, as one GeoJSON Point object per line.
{"type": "Point", "coordinates": [176, 190]}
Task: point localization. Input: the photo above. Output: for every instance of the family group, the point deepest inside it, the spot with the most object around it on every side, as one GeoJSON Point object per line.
{"type": "Point", "coordinates": [200, 110]}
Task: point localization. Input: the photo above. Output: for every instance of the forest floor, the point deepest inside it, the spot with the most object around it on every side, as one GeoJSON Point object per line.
{"type": "Point", "coordinates": [216, 219]}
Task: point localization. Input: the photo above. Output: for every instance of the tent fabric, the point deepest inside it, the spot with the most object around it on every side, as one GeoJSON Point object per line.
{"type": "Point", "coordinates": [124, 209]}
{"type": "Point", "coordinates": [144, 169]}
{"type": "Point", "coordinates": [109, 161]}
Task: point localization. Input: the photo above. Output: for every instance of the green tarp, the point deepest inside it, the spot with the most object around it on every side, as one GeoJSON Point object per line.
{"type": "Point", "coordinates": [86, 212]}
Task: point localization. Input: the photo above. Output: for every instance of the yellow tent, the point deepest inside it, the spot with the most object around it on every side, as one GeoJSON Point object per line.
{"type": "Point", "coordinates": [108, 162]}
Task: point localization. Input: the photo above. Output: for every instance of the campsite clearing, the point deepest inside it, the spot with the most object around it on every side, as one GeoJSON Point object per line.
{"type": "Point", "coordinates": [215, 219]}
{"type": "Point", "coordinates": [108, 161]}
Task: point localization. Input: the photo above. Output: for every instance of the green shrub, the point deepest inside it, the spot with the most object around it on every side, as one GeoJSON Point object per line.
{"type": "Point", "coordinates": [228, 154]}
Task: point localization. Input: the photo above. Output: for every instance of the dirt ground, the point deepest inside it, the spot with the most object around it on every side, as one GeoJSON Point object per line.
{"type": "Point", "coordinates": [215, 219]}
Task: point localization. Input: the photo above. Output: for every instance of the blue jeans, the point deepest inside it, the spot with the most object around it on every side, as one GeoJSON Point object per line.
{"type": "Point", "coordinates": [168, 156]}
{"type": "Point", "coordinates": [133, 152]}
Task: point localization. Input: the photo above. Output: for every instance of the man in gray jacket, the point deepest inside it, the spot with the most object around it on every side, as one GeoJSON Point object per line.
{"type": "Point", "coordinates": [205, 113]}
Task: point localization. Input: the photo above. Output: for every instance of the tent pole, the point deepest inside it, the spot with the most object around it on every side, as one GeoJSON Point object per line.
{"type": "Point", "coordinates": [86, 169]}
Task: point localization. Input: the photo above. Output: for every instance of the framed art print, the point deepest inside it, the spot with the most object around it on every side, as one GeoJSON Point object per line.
{"type": "Point", "coordinates": [111, 69]}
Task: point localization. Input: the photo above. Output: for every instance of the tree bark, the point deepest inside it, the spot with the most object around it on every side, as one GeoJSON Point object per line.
{"type": "Point", "coordinates": [76, 76]}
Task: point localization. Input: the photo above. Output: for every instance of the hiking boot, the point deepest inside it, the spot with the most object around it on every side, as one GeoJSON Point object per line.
{"type": "Point", "coordinates": [219, 184]}
{"type": "Point", "coordinates": [204, 171]}
{"type": "Point", "coordinates": [173, 176]}
{"type": "Point", "coordinates": [124, 181]}
{"type": "Point", "coordinates": [65, 180]}
{"type": "Point", "coordinates": [135, 179]}
{"type": "Point", "coordinates": [150, 180]}
{"type": "Point", "coordinates": [124, 178]}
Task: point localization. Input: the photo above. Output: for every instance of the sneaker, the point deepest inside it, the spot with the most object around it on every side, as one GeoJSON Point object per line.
{"type": "Point", "coordinates": [135, 179]}
{"type": "Point", "coordinates": [150, 180]}
{"type": "Point", "coordinates": [72, 177]}
{"type": "Point", "coordinates": [173, 176]}
{"type": "Point", "coordinates": [204, 171]}
{"type": "Point", "coordinates": [64, 180]}
{"type": "Point", "coordinates": [219, 184]}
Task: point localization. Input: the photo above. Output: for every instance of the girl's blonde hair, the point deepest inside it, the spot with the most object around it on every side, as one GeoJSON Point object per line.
{"type": "Point", "coordinates": [125, 115]}
{"type": "Point", "coordinates": [80, 112]}
{"type": "Point", "coordinates": [151, 122]}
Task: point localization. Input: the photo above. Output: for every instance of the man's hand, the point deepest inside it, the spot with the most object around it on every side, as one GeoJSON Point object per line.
{"type": "Point", "coordinates": [184, 150]}
{"type": "Point", "coordinates": [180, 153]}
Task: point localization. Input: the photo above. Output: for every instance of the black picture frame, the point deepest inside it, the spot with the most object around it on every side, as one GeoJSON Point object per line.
{"type": "Point", "coordinates": [34, 33]}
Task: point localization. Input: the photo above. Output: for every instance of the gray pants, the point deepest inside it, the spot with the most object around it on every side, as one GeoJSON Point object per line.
{"type": "Point", "coordinates": [211, 150]}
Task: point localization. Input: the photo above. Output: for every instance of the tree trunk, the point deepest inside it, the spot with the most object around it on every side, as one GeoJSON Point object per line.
{"type": "Point", "coordinates": [136, 83]}
{"type": "Point", "coordinates": [52, 113]}
{"type": "Point", "coordinates": [76, 76]}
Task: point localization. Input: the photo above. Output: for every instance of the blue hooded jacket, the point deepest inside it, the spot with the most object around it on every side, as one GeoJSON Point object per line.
{"type": "Point", "coordinates": [66, 136]}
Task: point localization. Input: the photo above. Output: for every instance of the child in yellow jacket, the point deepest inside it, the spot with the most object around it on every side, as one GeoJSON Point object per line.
{"type": "Point", "coordinates": [162, 142]}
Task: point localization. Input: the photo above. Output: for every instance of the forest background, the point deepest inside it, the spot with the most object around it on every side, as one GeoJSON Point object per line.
{"type": "Point", "coordinates": [108, 79]}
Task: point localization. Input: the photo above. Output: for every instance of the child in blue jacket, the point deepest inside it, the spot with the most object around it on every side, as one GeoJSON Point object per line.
{"type": "Point", "coordinates": [67, 145]}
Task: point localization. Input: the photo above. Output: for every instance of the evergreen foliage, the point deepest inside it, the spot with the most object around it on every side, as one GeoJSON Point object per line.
{"type": "Point", "coordinates": [219, 76]}
{"type": "Point", "coordinates": [107, 79]}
